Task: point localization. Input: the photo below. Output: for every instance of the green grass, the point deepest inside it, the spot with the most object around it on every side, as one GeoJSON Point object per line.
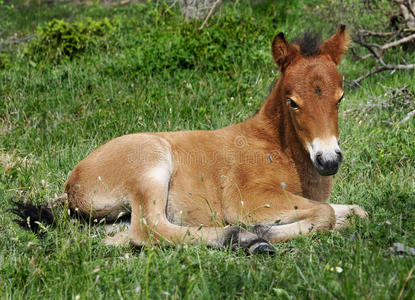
{"type": "Point", "coordinates": [157, 72]}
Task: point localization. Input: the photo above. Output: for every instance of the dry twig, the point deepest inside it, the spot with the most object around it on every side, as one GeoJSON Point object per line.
{"type": "Point", "coordinates": [395, 102]}
{"type": "Point", "coordinates": [407, 118]}
{"type": "Point", "coordinates": [210, 13]}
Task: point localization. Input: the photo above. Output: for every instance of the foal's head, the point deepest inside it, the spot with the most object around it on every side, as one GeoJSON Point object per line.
{"type": "Point", "coordinates": [312, 89]}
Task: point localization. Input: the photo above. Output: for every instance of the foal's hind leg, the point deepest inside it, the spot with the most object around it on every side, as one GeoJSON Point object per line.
{"type": "Point", "coordinates": [148, 210]}
{"type": "Point", "coordinates": [149, 223]}
{"type": "Point", "coordinates": [149, 216]}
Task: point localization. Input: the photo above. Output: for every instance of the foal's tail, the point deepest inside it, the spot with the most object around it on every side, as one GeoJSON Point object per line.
{"type": "Point", "coordinates": [33, 217]}
{"type": "Point", "coordinates": [30, 216]}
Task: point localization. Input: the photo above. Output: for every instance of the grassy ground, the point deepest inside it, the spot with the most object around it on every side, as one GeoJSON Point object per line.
{"type": "Point", "coordinates": [155, 72]}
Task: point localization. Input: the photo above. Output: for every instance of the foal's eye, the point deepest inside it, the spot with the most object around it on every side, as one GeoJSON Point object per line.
{"type": "Point", "coordinates": [340, 100]}
{"type": "Point", "coordinates": [292, 104]}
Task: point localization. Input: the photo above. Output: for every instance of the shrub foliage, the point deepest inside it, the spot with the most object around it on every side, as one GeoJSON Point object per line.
{"type": "Point", "coordinates": [59, 39]}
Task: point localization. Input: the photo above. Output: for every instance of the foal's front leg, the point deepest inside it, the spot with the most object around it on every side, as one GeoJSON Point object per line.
{"type": "Point", "coordinates": [303, 216]}
{"type": "Point", "coordinates": [343, 211]}
{"type": "Point", "coordinates": [288, 216]}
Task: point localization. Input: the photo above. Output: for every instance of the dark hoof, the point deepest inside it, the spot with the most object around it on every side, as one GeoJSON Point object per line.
{"type": "Point", "coordinates": [262, 248]}
{"type": "Point", "coordinates": [137, 249]}
{"type": "Point", "coordinates": [231, 238]}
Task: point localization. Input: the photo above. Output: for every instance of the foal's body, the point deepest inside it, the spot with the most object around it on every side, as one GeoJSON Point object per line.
{"type": "Point", "coordinates": [186, 186]}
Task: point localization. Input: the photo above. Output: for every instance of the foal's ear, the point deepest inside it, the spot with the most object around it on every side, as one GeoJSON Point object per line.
{"type": "Point", "coordinates": [282, 51]}
{"type": "Point", "coordinates": [337, 44]}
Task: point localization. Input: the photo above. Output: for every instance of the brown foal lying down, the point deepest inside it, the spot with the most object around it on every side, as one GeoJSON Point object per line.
{"type": "Point", "coordinates": [274, 170]}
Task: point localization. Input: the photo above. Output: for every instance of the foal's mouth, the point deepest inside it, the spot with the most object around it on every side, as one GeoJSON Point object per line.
{"type": "Point", "coordinates": [325, 155]}
{"type": "Point", "coordinates": [328, 167]}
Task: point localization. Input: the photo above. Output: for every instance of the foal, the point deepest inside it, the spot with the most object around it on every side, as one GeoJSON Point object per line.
{"type": "Point", "coordinates": [273, 170]}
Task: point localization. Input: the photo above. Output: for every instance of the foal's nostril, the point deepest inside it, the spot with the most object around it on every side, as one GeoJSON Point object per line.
{"type": "Point", "coordinates": [339, 155]}
{"type": "Point", "coordinates": [319, 158]}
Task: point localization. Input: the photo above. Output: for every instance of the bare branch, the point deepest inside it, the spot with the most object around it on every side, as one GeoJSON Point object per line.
{"type": "Point", "coordinates": [411, 7]}
{"type": "Point", "coordinates": [209, 14]}
{"type": "Point", "coordinates": [395, 101]}
{"type": "Point", "coordinates": [407, 9]}
{"type": "Point", "coordinates": [357, 81]}
{"type": "Point", "coordinates": [382, 68]}
{"type": "Point", "coordinates": [407, 118]}
{"type": "Point", "coordinates": [16, 40]}
{"type": "Point", "coordinates": [170, 7]}
{"type": "Point", "coordinates": [377, 50]}
{"type": "Point", "coordinates": [396, 28]}
{"type": "Point", "coordinates": [384, 47]}
{"type": "Point", "coordinates": [173, 4]}
{"type": "Point", "coordinates": [366, 56]}
{"type": "Point", "coordinates": [398, 42]}
{"type": "Point", "coordinates": [368, 46]}
{"type": "Point", "coordinates": [364, 32]}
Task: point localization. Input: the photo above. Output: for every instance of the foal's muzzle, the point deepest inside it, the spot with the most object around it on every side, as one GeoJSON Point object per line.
{"type": "Point", "coordinates": [327, 167]}
{"type": "Point", "coordinates": [325, 155]}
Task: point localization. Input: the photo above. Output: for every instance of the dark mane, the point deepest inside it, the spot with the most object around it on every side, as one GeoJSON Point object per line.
{"type": "Point", "coordinates": [309, 43]}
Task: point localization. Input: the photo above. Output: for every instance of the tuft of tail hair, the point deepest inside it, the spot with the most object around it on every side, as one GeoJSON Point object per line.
{"type": "Point", "coordinates": [32, 216]}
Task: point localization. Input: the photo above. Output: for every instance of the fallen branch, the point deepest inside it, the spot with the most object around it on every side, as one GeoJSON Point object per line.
{"type": "Point", "coordinates": [387, 40]}
{"type": "Point", "coordinates": [173, 4]}
{"type": "Point", "coordinates": [407, 118]}
{"type": "Point", "coordinates": [364, 32]}
{"type": "Point", "coordinates": [394, 102]}
{"type": "Point", "coordinates": [209, 14]}
{"type": "Point", "coordinates": [170, 7]}
{"type": "Point", "coordinates": [15, 40]}
{"type": "Point", "coordinates": [398, 42]}
{"type": "Point", "coordinates": [383, 68]}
